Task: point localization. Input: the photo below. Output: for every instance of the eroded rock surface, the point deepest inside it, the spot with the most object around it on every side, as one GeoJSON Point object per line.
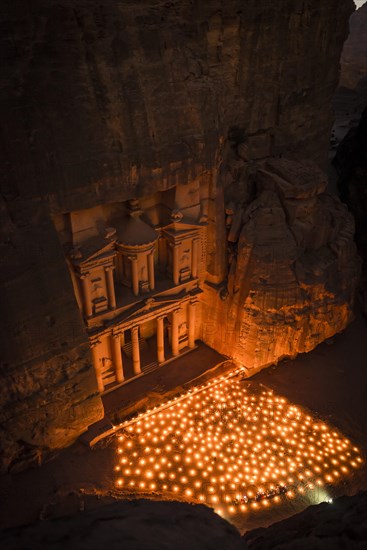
{"type": "Point", "coordinates": [340, 524]}
{"type": "Point", "coordinates": [293, 268]}
{"type": "Point", "coordinates": [353, 62]}
{"type": "Point", "coordinates": [351, 164]}
{"type": "Point", "coordinates": [134, 525]}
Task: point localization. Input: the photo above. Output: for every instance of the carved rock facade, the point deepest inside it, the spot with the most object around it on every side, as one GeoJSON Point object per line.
{"type": "Point", "coordinates": [137, 285]}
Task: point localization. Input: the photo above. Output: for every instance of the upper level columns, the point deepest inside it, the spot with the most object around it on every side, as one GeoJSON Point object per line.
{"type": "Point", "coordinates": [151, 270]}
{"type": "Point", "coordinates": [195, 258]}
{"type": "Point", "coordinates": [110, 287]}
{"type": "Point", "coordinates": [162, 253]}
{"type": "Point", "coordinates": [87, 301]}
{"type": "Point", "coordinates": [134, 275]}
{"type": "Point", "coordinates": [175, 266]}
{"type": "Point", "coordinates": [135, 350]}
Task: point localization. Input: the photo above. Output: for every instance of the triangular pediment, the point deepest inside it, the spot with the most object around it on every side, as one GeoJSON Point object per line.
{"type": "Point", "coordinates": [92, 250]}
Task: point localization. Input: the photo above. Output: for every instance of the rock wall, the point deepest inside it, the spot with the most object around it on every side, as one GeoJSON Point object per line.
{"type": "Point", "coordinates": [149, 525]}
{"type": "Point", "coordinates": [102, 102]}
{"type": "Point", "coordinates": [353, 62]}
{"type": "Point", "coordinates": [293, 267]}
{"type": "Point", "coordinates": [136, 525]}
{"type": "Point", "coordinates": [48, 388]}
{"type": "Point", "coordinates": [351, 164]}
{"type": "Point", "coordinates": [341, 524]}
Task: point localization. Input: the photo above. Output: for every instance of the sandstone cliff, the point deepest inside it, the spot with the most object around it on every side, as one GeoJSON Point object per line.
{"type": "Point", "coordinates": [293, 267]}
{"type": "Point", "coordinates": [341, 524]}
{"type": "Point", "coordinates": [105, 101]}
{"type": "Point", "coordinates": [351, 164]}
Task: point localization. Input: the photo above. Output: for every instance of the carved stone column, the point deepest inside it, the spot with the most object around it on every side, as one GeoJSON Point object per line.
{"type": "Point", "coordinates": [191, 323]}
{"type": "Point", "coordinates": [160, 339]}
{"type": "Point", "coordinates": [117, 357]}
{"type": "Point", "coordinates": [135, 350]}
{"type": "Point", "coordinates": [162, 254]}
{"type": "Point", "coordinates": [87, 301]}
{"type": "Point", "coordinates": [175, 266]}
{"type": "Point", "coordinates": [110, 287]}
{"type": "Point", "coordinates": [134, 275]}
{"type": "Point", "coordinates": [174, 336]}
{"type": "Point", "coordinates": [97, 367]}
{"type": "Point", "coordinates": [195, 258]}
{"type": "Point", "coordinates": [151, 270]}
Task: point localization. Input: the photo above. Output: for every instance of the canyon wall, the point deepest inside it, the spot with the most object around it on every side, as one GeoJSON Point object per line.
{"type": "Point", "coordinates": [293, 267]}
{"type": "Point", "coordinates": [102, 102]}
{"type": "Point", "coordinates": [351, 164]}
{"type": "Point", "coordinates": [146, 525]}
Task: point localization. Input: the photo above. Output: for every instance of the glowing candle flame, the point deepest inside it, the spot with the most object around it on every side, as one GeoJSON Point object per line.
{"type": "Point", "coordinates": [230, 445]}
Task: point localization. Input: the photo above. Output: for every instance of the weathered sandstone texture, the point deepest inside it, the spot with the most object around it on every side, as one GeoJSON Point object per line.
{"type": "Point", "coordinates": [48, 389]}
{"type": "Point", "coordinates": [351, 164]}
{"type": "Point", "coordinates": [134, 525]}
{"type": "Point", "coordinates": [148, 525]}
{"type": "Point", "coordinates": [292, 266]}
{"type": "Point", "coordinates": [342, 524]}
{"type": "Point", "coordinates": [106, 101]}
{"type": "Point", "coordinates": [353, 62]}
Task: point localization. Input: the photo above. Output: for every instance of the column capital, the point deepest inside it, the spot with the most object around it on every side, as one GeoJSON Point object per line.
{"type": "Point", "coordinates": [132, 258]}
{"type": "Point", "coordinates": [84, 275]}
{"type": "Point", "coordinates": [178, 310]}
{"type": "Point", "coordinates": [161, 317]}
{"type": "Point", "coordinates": [109, 268]}
{"type": "Point", "coordinates": [135, 328]}
{"type": "Point", "coordinates": [116, 336]}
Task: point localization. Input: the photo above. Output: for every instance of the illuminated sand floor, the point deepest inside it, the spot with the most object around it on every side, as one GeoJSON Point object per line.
{"type": "Point", "coordinates": [232, 445]}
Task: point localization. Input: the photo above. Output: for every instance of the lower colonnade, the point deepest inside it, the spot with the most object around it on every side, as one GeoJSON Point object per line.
{"type": "Point", "coordinates": [117, 341]}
